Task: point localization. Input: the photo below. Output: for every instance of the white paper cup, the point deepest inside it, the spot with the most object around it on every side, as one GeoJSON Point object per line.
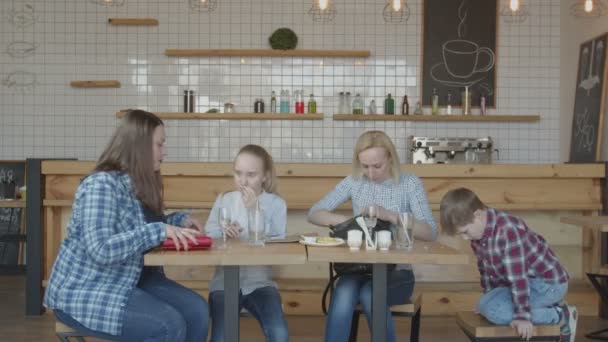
{"type": "Point", "coordinates": [354, 239]}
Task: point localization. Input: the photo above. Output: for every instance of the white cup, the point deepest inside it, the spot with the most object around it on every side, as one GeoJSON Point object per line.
{"type": "Point", "coordinates": [354, 239]}
{"type": "Point", "coordinates": [383, 239]}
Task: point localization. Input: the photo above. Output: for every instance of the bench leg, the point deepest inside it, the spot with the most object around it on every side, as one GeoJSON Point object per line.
{"type": "Point", "coordinates": [354, 327]}
{"type": "Point", "coordinates": [415, 333]}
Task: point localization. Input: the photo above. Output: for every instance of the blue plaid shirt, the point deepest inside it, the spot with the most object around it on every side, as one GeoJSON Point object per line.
{"type": "Point", "coordinates": [406, 196]}
{"type": "Point", "coordinates": [101, 259]}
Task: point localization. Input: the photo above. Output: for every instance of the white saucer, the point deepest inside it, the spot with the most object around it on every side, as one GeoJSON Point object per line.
{"type": "Point", "coordinates": [440, 74]}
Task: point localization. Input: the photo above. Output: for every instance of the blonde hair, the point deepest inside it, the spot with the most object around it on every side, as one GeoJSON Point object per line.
{"type": "Point", "coordinates": [271, 183]}
{"type": "Point", "coordinates": [371, 139]}
{"type": "Point", "coordinates": [457, 209]}
{"type": "Point", "coordinates": [130, 150]}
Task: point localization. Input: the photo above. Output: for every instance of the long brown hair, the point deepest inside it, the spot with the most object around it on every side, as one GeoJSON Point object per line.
{"type": "Point", "coordinates": [130, 151]}
{"type": "Point", "coordinates": [270, 184]}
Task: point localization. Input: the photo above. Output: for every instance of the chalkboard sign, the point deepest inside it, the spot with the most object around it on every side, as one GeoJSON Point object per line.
{"type": "Point", "coordinates": [459, 50]}
{"type": "Point", "coordinates": [589, 101]}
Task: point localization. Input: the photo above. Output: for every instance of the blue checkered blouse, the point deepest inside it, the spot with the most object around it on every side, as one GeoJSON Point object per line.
{"type": "Point", "coordinates": [407, 195]}
{"type": "Point", "coordinates": [101, 259]}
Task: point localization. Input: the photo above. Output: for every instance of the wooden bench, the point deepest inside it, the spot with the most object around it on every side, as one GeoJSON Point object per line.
{"type": "Point", "coordinates": [479, 329]}
{"type": "Point", "coordinates": [64, 333]}
{"type": "Point", "coordinates": [411, 309]}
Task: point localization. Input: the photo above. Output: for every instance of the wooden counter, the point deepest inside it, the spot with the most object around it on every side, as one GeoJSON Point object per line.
{"type": "Point", "coordinates": [540, 193]}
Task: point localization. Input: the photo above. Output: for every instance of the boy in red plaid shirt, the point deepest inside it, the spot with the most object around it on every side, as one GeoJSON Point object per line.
{"type": "Point", "coordinates": [522, 279]}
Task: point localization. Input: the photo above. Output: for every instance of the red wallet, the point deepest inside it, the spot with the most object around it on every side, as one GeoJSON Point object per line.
{"type": "Point", "coordinates": [204, 242]}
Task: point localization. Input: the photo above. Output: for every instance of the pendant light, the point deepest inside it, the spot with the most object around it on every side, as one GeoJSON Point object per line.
{"type": "Point", "coordinates": [203, 5]}
{"type": "Point", "coordinates": [589, 8]}
{"type": "Point", "coordinates": [323, 11]}
{"type": "Point", "coordinates": [396, 11]}
{"type": "Point", "coordinates": [514, 11]}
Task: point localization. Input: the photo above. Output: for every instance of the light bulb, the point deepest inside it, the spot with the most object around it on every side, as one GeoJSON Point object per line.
{"type": "Point", "coordinates": [588, 6]}
{"type": "Point", "coordinates": [323, 4]}
{"type": "Point", "coordinates": [108, 1]}
{"type": "Point", "coordinates": [514, 5]}
{"type": "Point", "coordinates": [203, 1]}
{"type": "Point", "coordinates": [396, 5]}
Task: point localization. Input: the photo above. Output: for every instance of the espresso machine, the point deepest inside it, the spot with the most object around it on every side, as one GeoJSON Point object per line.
{"type": "Point", "coordinates": [425, 150]}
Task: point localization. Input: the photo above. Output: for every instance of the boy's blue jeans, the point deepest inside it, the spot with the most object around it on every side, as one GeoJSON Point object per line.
{"type": "Point", "coordinates": [356, 289]}
{"type": "Point", "coordinates": [264, 304]}
{"type": "Point", "coordinates": [497, 304]}
{"type": "Point", "coordinates": [158, 309]}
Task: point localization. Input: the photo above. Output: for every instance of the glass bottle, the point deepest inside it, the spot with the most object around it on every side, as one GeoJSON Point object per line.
{"type": "Point", "coordinates": [299, 95]}
{"type": "Point", "coordinates": [347, 103]}
{"type": "Point", "coordinates": [418, 110]}
{"type": "Point", "coordinates": [466, 101]}
{"type": "Point", "coordinates": [435, 102]}
{"type": "Point", "coordinates": [482, 104]}
{"type": "Point", "coordinates": [448, 103]}
{"type": "Point", "coordinates": [341, 103]}
{"type": "Point", "coordinates": [389, 105]}
{"type": "Point", "coordinates": [273, 102]}
{"type": "Point", "coordinates": [372, 107]}
{"type": "Point", "coordinates": [312, 105]}
{"type": "Point", "coordinates": [285, 101]}
{"type": "Point", "coordinates": [405, 106]}
{"type": "Point", "coordinates": [358, 105]}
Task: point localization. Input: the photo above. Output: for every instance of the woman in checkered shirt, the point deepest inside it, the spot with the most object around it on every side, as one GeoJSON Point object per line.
{"type": "Point", "coordinates": [98, 284]}
{"type": "Point", "coordinates": [376, 180]}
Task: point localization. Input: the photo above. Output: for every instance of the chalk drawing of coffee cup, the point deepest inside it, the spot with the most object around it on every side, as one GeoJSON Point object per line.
{"type": "Point", "coordinates": [462, 56]}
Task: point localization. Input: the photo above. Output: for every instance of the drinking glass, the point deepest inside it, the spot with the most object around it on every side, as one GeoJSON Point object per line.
{"type": "Point", "coordinates": [225, 221]}
{"type": "Point", "coordinates": [371, 217]}
{"type": "Point", "coordinates": [257, 228]}
{"type": "Point", "coordinates": [405, 231]}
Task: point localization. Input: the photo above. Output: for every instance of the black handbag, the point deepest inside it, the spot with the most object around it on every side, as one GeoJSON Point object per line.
{"type": "Point", "coordinates": [338, 269]}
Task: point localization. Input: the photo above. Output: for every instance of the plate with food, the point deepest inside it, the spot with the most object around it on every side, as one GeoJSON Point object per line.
{"type": "Point", "coordinates": [321, 241]}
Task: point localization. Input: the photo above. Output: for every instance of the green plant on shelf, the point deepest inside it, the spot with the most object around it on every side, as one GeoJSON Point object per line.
{"type": "Point", "coordinates": [283, 39]}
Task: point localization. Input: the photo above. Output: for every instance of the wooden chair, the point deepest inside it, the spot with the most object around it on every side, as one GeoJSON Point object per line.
{"type": "Point", "coordinates": [64, 333]}
{"type": "Point", "coordinates": [409, 309]}
{"type": "Point", "coordinates": [479, 329]}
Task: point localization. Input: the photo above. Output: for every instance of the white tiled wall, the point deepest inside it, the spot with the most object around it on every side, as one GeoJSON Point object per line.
{"type": "Point", "coordinates": [45, 44]}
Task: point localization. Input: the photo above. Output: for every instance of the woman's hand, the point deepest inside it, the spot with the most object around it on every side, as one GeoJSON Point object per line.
{"type": "Point", "coordinates": [180, 236]}
{"type": "Point", "coordinates": [234, 230]}
{"type": "Point", "coordinates": [193, 223]}
{"type": "Point", "coordinates": [524, 329]}
{"type": "Point", "coordinates": [383, 214]}
{"type": "Point", "coordinates": [249, 196]}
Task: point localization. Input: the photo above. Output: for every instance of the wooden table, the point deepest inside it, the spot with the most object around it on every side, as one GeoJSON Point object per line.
{"type": "Point", "coordinates": [596, 222]}
{"type": "Point", "coordinates": [423, 252]}
{"type": "Point", "coordinates": [238, 254]}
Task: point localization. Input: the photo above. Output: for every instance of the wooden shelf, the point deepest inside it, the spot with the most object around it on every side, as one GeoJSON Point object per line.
{"type": "Point", "coordinates": [439, 118]}
{"type": "Point", "coordinates": [12, 204]}
{"type": "Point", "coordinates": [267, 52]}
{"type": "Point", "coordinates": [96, 84]}
{"type": "Point", "coordinates": [133, 21]}
{"type": "Point", "coordinates": [235, 116]}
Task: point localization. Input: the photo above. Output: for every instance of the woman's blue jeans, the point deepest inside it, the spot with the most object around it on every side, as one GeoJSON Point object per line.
{"type": "Point", "coordinates": [497, 304]}
{"type": "Point", "coordinates": [263, 303]}
{"type": "Point", "coordinates": [158, 309]}
{"type": "Point", "coordinates": [356, 289]}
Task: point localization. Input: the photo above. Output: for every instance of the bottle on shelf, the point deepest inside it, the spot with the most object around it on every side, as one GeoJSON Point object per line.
{"type": "Point", "coordinates": [466, 101]}
{"type": "Point", "coordinates": [435, 102]}
{"type": "Point", "coordinates": [312, 105]}
{"type": "Point", "coordinates": [372, 107]}
{"type": "Point", "coordinates": [285, 101]}
{"type": "Point", "coordinates": [347, 103]}
{"type": "Point", "coordinates": [418, 110]}
{"type": "Point", "coordinates": [358, 105]}
{"type": "Point", "coordinates": [482, 104]}
{"type": "Point", "coordinates": [299, 98]}
{"type": "Point", "coordinates": [188, 101]}
{"type": "Point", "coordinates": [389, 105]}
{"type": "Point", "coordinates": [405, 106]}
{"type": "Point", "coordinates": [273, 102]}
{"type": "Point", "coordinates": [342, 103]}
{"type": "Point", "coordinates": [258, 106]}
{"type": "Point", "coordinates": [448, 103]}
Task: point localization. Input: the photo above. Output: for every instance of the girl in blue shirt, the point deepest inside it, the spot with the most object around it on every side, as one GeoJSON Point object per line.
{"type": "Point", "coordinates": [376, 180]}
{"type": "Point", "coordinates": [255, 182]}
{"type": "Point", "coordinates": [98, 284]}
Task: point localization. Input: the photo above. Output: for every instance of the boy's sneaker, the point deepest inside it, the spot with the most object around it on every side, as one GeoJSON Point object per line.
{"type": "Point", "coordinates": [568, 323]}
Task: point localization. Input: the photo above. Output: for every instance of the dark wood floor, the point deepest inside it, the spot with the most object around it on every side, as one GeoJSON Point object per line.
{"type": "Point", "coordinates": [14, 326]}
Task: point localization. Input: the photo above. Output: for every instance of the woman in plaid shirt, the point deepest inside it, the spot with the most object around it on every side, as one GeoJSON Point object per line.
{"type": "Point", "coordinates": [98, 284]}
{"type": "Point", "coordinates": [522, 279]}
{"type": "Point", "coordinates": [377, 180]}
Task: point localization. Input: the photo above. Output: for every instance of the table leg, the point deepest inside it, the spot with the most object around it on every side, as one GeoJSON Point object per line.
{"type": "Point", "coordinates": [379, 302]}
{"type": "Point", "coordinates": [231, 303]}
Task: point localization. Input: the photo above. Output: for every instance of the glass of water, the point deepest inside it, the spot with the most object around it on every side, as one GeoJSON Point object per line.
{"type": "Point", "coordinates": [371, 217]}
{"type": "Point", "coordinates": [257, 227]}
{"type": "Point", "coordinates": [225, 221]}
{"type": "Point", "coordinates": [404, 238]}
